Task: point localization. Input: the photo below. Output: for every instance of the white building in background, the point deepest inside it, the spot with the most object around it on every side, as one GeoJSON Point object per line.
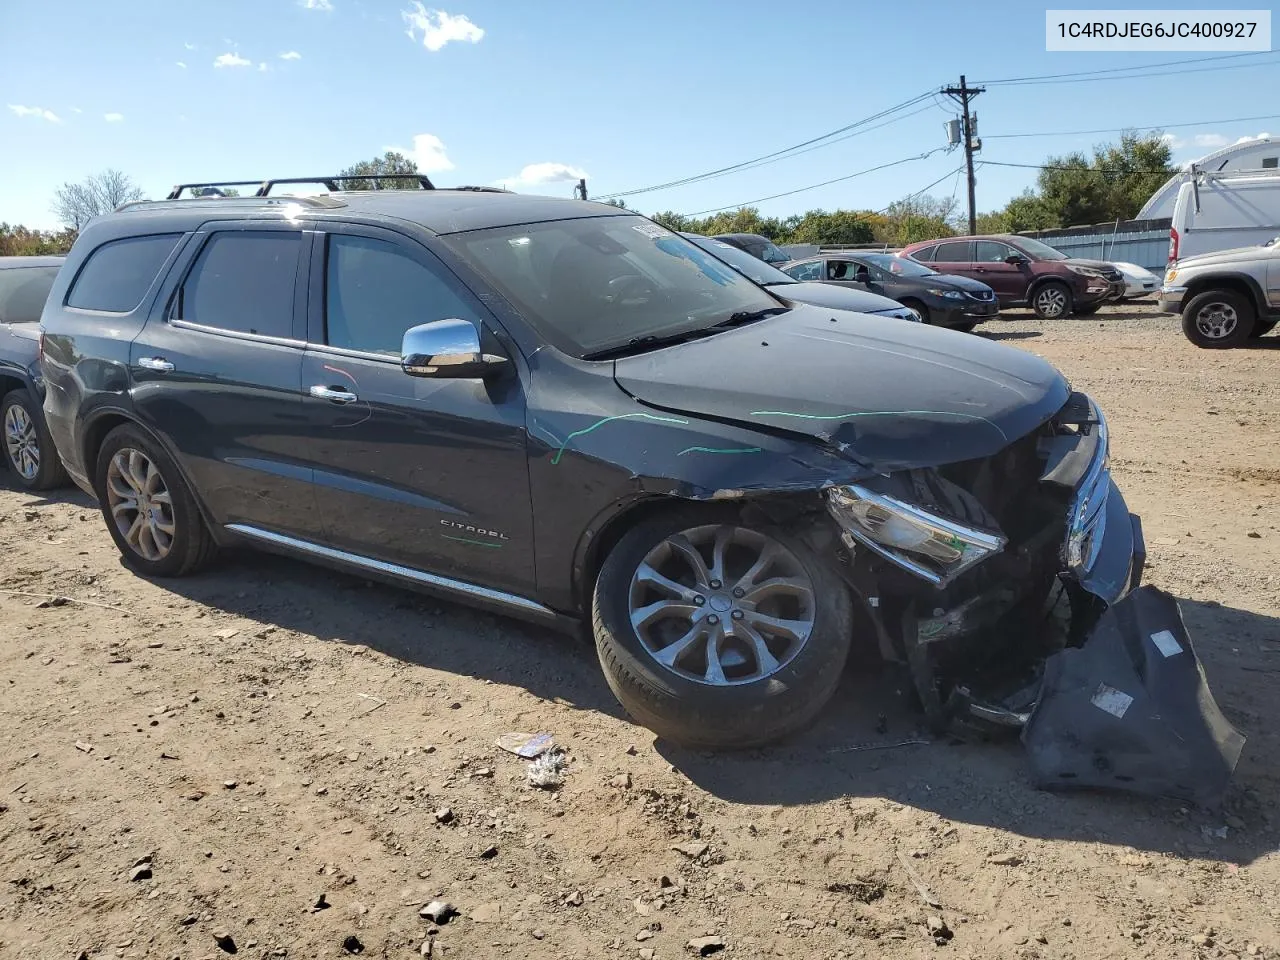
{"type": "Point", "coordinates": [1263, 154]}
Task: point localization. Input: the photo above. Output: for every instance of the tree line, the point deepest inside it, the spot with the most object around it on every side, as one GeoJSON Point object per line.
{"type": "Point", "coordinates": [1111, 183]}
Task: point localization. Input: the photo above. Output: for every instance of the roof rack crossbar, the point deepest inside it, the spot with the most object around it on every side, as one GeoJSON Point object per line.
{"type": "Point", "coordinates": [330, 182]}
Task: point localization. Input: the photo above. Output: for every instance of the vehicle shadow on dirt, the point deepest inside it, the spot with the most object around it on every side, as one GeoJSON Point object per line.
{"type": "Point", "coordinates": [1009, 334]}
{"type": "Point", "coordinates": [859, 746]}
{"type": "Point", "coordinates": [862, 747]}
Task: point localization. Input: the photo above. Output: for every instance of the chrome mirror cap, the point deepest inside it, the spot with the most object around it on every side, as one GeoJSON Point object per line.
{"type": "Point", "coordinates": [447, 349]}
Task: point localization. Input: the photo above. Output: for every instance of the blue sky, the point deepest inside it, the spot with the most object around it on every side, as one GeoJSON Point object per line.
{"type": "Point", "coordinates": [628, 93]}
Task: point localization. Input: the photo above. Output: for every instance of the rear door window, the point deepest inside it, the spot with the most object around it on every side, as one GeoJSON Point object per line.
{"type": "Point", "coordinates": [954, 251]}
{"type": "Point", "coordinates": [243, 281]}
{"type": "Point", "coordinates": [812, 270]}
{"type": "Point", "coordinates": [23, 291]}
{"type": "Point", "coordinates": [118, 274]}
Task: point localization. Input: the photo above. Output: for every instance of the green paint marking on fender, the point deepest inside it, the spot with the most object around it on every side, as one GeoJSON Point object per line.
{"type": "Point", "coordinates": [600, 423]}
{"type": "Point", "coordinates": [719, 450]}
{"type": "Point", "coordinates": [474, 543]}
{"type": "Point", "coordinates": [877, 413]}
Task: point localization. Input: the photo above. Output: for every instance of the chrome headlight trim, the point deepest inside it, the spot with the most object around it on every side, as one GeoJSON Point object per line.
{"type": "Point", "coordinates": [974, 545]}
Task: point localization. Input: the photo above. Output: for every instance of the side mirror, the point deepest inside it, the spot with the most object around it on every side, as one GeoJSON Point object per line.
{"type": "Point", "coordinates": [1015, 259]}
{"type": "Point", "coordinates": [447, 349]}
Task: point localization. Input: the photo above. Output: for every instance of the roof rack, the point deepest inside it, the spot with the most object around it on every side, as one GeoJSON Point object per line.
{"type": "Point", "coordinates": [223, 201]}
{"type": "Point", "coordinates": [264, 186]}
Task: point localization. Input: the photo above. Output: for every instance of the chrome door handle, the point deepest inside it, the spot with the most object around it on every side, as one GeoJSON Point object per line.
{"type": "Point", "coordinates": [159, 364]}
{"type": "Point", "coordinates": [335, 394]}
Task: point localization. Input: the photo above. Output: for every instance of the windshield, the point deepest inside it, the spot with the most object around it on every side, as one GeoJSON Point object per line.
{"type": "Point", "coordinates": [1039, 251]}
{"type": "Point", "coordinates": [772, 253]}
{"type": "Point", "coordinates": [755, 270]}
{"type": "Point", "coordinates": [898, 266]}
{"type": "Point", "coordinates": [595, 284]}
{"type": "Point", "coordinates": [23, 291]}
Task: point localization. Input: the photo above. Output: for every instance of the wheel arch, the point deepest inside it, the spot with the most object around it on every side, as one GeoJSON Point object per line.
{"type": "Point", "coordinates": [95, 432]}
{"type": "Point", "coordinates": [1237, 282]}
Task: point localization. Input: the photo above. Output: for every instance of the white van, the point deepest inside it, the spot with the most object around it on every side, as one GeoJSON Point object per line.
{"type": "Point", "coordinates": [1223, 211]}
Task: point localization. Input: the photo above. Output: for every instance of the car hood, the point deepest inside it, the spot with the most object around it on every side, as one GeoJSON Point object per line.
{"type": "Point", "coordinates": [836, 298]}
{"type": "Point", "coordinates": [891, 395]}
{"type": "Point", "coordinates": [1234, 255]}
{"type": "Point", "coordinates": [1104, 265]}
{"type": "Point", "coordinates": [949, 281]}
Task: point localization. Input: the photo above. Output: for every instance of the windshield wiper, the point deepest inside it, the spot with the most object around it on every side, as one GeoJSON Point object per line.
{"type": "Point", "coordinates": [747, 316]}
{"type": "Point", "coordinates": [647, 342]}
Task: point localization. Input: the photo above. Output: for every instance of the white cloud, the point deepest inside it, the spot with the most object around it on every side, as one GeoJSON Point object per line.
{"type": "Point", "coordinates": [1262, 136]}
{"type": "Point", "coordinates": [113, 117]}
{"type": "Point", "coordinates": [40, 112]}
{"type": "Point", "coordinates": [182, 65]}
{"type": "Point", "coordinates": [427, 152]}
{"type": "Point", "coordinates": [189, 46]}
{"type": "Point", "coordinates": [538, 174]}
{"type": "Point", "coordinates": [291, 55]}
{"type": "Point", "coordinates": [1210, 140]}
{"type": "Point", "coordinates": [263, 68]}
{"type": "Point", "coordinates": [315, 4]}
{"type": "Point", "coordinates": [76, 110]}
{"type": "Point", "coordinates": [439, 28]}
{"type": "Point", "coordinates": [231, 60]}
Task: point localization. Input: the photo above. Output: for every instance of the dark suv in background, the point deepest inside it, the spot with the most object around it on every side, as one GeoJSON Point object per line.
{"type": "Point", "coordinates": [28, 450]}
{"type": "Point", "coordinates": [762, 248]}
{"type": "Point", "coordinates": [563, 411]}
{"type": "Point", "coordinates": [1024, 271]}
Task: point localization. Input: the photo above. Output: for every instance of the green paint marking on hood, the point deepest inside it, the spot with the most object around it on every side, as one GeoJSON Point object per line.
{"type": "Point", "coordinates": [600, 423]}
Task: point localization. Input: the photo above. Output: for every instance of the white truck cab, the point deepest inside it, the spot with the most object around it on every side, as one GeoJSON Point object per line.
{"type": "Point", "coordinates": [1224, 211]}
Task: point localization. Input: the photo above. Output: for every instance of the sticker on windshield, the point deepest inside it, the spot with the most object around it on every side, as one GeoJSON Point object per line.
{"type": "Point", "coordinates": [651, 230]}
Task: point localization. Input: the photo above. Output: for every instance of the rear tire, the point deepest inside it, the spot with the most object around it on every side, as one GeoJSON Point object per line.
{"type": "Point", "coordinates": [149, 509]}
{"type": "Point", "coordinates": [1218, 319]}
{"type": "Point", "coordinates": [1052, 300]}
{"type": "Point", "coordinates": [646, 606]}
{"type": "Point", "coordinates": [28, 446]}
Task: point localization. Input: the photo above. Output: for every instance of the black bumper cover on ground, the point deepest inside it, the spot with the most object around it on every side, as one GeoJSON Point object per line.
{"type": "Point", "coordinates": [1131, 709]}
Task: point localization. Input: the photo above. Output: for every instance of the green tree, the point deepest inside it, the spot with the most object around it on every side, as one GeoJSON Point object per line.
{"type": "Point", "coordinates": [672, 220]}
{"type": "Point", "coordinates": [917, 218]}
{"type": "Point", "coordinates": [376, 170]}
{"type": "Point", "coordinates": [837, 227]}
{"type": "Point", "coordinates": [75, 204]}
{"type": "Point", "coordinates": [19, 241]}
{"type": "Point", "coordinates": [1112, 185]}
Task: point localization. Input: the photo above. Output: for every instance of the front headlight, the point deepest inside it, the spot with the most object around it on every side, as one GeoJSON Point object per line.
{"type": "Point", "coordinates": [932, 547]}
{"type": "Point", "coordinates": [1170, 275]}
{"type": "Point", "coordinates": [947, 294]}
{"type": "Point", "coordinates": [1087, 272]}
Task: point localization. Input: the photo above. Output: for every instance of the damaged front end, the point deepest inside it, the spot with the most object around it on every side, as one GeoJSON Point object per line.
{"type": "Point", "coordinates": [1010, 586]}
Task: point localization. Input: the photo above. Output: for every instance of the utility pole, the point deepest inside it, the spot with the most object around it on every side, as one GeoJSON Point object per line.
{"type": "Point", "coordinates": [964, 93]}
{"type": "Point", "coordinates": [580, 191]}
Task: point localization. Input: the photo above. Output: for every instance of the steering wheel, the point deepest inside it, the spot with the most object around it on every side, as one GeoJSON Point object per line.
{"type": "Point", "coordinates": [629, 288]}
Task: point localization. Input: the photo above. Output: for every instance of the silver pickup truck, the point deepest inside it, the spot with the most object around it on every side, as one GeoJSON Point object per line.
{"type": "Point", "coordinates": [1225, 298]}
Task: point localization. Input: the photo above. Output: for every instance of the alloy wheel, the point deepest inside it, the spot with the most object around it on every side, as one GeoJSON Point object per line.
{"type": "Point", "coordinates": [722, 605]}
{"type": "Point", "coordinates": [1217, 320]}
{"type": "Point", "coordinates": [140, 503]}
{"type": "Point", "coordinates": [22, 442]}
{"type": "Point", "coordinates": [1051, 302]}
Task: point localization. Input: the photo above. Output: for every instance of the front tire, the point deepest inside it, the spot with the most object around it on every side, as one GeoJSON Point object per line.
{"type": "Point", "coordinates": [1052, 300]}
{"type": "Point", "coordinates": [717, 633]}
{"type": "Point", "coordinates": [918, 308]}
{"type": "Point", "coordinates": [1218, 319]}
{"type": "Point", "coordinates": [150, 511]}
{"type": "Point", "coordinates": [28, 447]}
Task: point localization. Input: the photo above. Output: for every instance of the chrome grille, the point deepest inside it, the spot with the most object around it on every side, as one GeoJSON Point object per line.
{"type": "Point", "coordinates": [984, 295]}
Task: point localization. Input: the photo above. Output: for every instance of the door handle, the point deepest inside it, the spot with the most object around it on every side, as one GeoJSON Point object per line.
{"type": "Point", "coordinates": [158, 364]}
{"type": "Point", "coordinates": [333, 394]}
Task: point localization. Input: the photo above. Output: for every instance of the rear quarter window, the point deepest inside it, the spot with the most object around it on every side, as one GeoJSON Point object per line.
{"type": "Point", "coordinates": [118, 273]}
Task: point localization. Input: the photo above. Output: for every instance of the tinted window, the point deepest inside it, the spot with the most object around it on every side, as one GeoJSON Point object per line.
{"type": "Point", "coordinates": [375, 291]}
{"type": "Point", "coordinates": [118, 273]}
{"type": "Point", "coordinates": [991, 251]}
{"type": "Point", "coordinates": [244, 282]}
{"type": "Point", "coordinates": [925, 255]}
{"type": "Point", "coordinates": [747, 265]}
{"type": "Point", "coordinates": [23, 291]}
{"type": "Point", "coordinates": [953, 252]}
{"type": "Point", "coordinates": [841, 270]}
{"type": "Point", "coordinates": [1269, 163]}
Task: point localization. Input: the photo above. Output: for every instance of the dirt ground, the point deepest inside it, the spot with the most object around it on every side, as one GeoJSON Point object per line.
{"type": "Point", "coordinates": [269, 734]}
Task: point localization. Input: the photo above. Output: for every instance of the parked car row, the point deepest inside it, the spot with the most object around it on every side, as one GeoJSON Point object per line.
{"type": "Point", "coordinates": [562, 411]}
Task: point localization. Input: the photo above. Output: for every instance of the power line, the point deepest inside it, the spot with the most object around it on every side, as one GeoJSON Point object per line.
{"type": "Point", "coordinates": [824, 183]}
{"type": "Point", "coordinates": [1046, 166]}
{"type": "Point", "coordinates": [1141, 66]}
{"type": "Point", "coordinates": [1142, 76]}
{"type": "Point", "coordinates": [1154, 126]}
{"type": "Point", "coordinates": [732, 168]}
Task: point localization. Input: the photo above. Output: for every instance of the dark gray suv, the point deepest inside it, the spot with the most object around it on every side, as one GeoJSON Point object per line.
{"type": "Point", "coordinates": [561, 410]}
